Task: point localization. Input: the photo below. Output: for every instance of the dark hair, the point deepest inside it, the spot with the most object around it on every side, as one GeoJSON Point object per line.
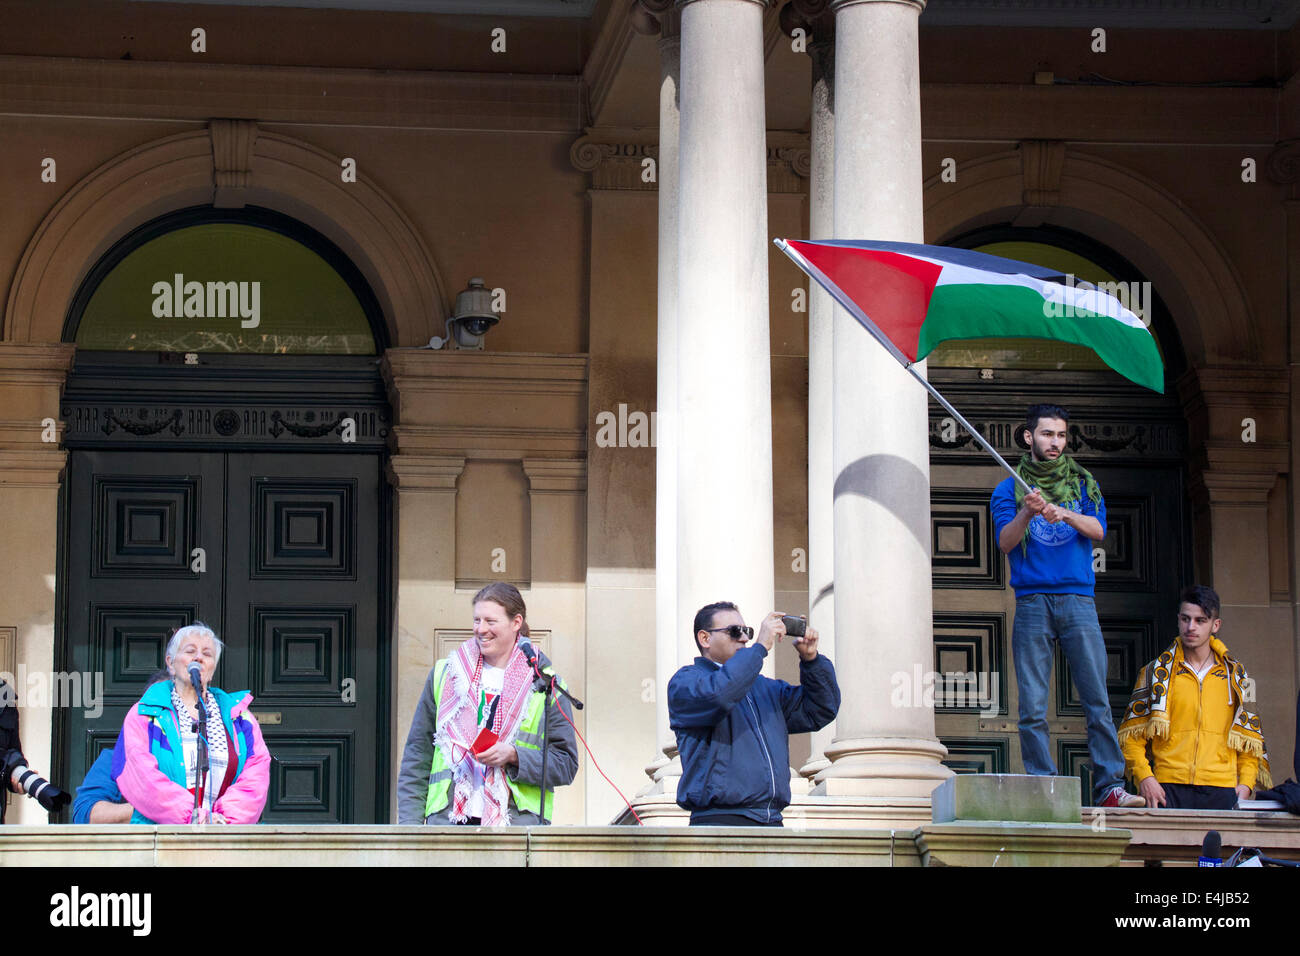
{"type": "Point", "coordinates": [508, 596]}
{"type": "Point", "coordinates": [1044, 411]}
{"type": "Point", "coordinates": [1204, 598]}
{"type": "Point", "coordinates": [704, 618]}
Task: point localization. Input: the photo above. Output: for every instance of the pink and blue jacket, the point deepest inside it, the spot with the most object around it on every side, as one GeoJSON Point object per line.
{"type": "Point", "coordinates": [149, 762]}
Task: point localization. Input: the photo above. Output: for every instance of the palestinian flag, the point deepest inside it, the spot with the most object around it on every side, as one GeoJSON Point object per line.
{"type": "Point", "coordinates": [912, 297]}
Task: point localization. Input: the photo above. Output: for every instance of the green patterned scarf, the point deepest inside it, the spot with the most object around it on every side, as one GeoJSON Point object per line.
{"type": "Point", "coordinates": [1058, 481]}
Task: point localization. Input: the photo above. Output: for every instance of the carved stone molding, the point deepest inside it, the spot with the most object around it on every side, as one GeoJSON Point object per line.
{"type": "Point", "coordinates": [556, 476]}
{"type": "Point", "coordinates": [475, 405]}
{"type": "Point", "coordinates": [1041, 162]}
{"type": "Point", "coordinates": [616, 158]}
{"type": "Point", "coordinates": [428, 473]}
{"type": "Point", "coordinates": [288, 175]}
{"type": "Point", "coordinates": [232, 160]}
{"type": "Point", "coordinates": [1237, 419]}
{"type": "Point", "coordinates": [31, 379]}
{"type": "Point", "coordinates": [405, 99]}
{"type": "Point", "coordinates": [27, 469]}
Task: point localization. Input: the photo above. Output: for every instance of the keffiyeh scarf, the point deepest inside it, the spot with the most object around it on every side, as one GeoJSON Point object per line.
{"type": "Point", "coordinates": [457, 726]}
{"type": "Point", "coordinates": [1147, 715]}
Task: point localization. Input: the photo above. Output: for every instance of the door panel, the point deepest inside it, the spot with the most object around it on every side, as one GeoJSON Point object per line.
{"type": "Point", "coordinates": [309, 605]}
{"type": "Point", "coordinates": [1137, 591]}
{"type": "Point", "coordinates": [291, 585]}
{"type": "Point", "coordinates": [134, 522]}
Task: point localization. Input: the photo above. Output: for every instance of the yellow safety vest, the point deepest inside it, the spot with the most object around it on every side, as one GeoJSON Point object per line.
{"type": "Point", "coordinates": [526, 796]}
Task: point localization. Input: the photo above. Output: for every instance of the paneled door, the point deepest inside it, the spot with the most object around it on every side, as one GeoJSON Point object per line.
{"type": "Point", "coordinates": [1140, 570]}
{"type": "Point", "coordinates": [280, 554]}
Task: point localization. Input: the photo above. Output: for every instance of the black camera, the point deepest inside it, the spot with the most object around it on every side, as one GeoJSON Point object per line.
{"type": "Point", "coordinates": [37, 787]}
{"type": "Point", "coordinates": [795, 625]}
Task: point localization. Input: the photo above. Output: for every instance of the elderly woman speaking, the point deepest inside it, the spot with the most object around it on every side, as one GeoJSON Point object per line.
{"type": "Point", "coordinates": [157, 765]}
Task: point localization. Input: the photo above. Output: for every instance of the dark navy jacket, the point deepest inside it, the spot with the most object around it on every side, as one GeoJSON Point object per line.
{"type": "Point", "coordinates": [733, 727]}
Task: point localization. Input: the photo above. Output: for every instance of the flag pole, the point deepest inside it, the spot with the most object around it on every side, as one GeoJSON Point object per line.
{"type": "Point", "coordinates": [856, 311]}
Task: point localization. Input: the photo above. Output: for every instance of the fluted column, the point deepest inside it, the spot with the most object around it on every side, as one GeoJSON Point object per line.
{"type": "Point", "coordinates": [724, 426]}
{"type": "Point", "coordinates": [883, 619]}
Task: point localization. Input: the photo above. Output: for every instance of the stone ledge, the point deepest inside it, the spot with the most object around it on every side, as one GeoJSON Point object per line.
{"type": "Point", "coordinates": [1174, 837]}
{"type": "Point", "coordinates": [985, 843]}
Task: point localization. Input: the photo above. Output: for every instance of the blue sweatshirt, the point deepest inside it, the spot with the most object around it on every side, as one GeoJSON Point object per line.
{"type": "Point", "coordinates": [1056, 559]}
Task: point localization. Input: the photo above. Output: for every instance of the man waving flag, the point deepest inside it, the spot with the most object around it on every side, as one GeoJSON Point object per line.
{"type": "Point", "coordinates": [913, 297]}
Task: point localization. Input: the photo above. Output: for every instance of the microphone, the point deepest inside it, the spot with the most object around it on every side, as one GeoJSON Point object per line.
{"type": "Point", "coordinates": [1211, 850]}
{"type": "Point", "coordinates": [530, 655]}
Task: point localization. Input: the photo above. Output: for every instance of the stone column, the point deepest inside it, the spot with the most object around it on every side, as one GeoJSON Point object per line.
{"type": "Point", "coordinates": [724, 423]}
{"type": "Point", "coordinates": [673, 646]}
{"type": "Point", "coordinates": [32, 460]}
{"type": "Point", "coordinates": [813, 17]}
{"type": "Point", "coordinates": [883, 620]}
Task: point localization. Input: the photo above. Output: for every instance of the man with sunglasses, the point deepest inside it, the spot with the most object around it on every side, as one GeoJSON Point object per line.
{"type": "Point", "coordinates": [733, 724]}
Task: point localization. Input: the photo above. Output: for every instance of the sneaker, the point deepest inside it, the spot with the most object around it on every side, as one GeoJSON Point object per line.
{"type": "Point", "coordinates": [1117, 796]}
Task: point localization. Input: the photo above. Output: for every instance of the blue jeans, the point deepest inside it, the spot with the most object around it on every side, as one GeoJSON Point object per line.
{"type": "Point", "coordinates": [1070, 619]}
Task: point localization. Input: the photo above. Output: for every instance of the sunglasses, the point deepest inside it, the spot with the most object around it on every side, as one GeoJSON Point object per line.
{"type": "Point", "coordinates": [733, 631]}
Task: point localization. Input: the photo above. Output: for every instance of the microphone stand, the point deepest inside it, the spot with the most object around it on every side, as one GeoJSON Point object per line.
{"type": "Point", "coordinates": [547, 685]}
{"type": "Point", "coordinates": [203, 765]}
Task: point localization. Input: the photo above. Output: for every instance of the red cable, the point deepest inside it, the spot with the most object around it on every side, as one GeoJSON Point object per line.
{"type": "Point", "coordinates": [593, 757]}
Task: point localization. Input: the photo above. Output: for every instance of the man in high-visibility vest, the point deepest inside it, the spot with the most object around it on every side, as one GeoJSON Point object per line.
{"type": "Point", "coordinates": [474, 752]}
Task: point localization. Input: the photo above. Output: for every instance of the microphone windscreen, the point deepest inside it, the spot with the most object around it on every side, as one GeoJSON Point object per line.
{"type": "Point", "coordinates": [1212, 845]}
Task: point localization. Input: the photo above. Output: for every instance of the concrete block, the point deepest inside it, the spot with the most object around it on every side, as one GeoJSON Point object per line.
{"type": "Point", "coordinates": [1021, 798]}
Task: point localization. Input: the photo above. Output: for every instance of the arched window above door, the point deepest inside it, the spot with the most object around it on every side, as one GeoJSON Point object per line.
{"type": "Point", "coordinates": [237, 281]}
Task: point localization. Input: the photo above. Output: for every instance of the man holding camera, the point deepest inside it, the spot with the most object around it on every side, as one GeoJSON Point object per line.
{"type": "Point", "coordinates": [733, 724]}
{"type": "Point", "coordinates": [15, 775]}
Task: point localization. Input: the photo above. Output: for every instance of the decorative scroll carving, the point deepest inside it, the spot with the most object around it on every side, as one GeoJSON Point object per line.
{"type": "Point", "coordinates": [1283, 164]}
{"type": "Point", "coordinates": [1153, 440]}
{"type": "Point", "coordinates": [655, 18]}
{"type": "Point", "coordinates": [95, 424]}
{"type": "Point", "coordinates": [788, 168]}
{"type": "Point", "coordinates": [279, 424]}
{"type": "Point", "coordinates": [112, 423]}
{"type": "Point", "coordinates": [615, 165]}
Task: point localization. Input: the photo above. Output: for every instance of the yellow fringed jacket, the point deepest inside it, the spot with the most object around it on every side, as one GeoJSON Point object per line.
{"type": "Point", "coordinates": [1199, 732]}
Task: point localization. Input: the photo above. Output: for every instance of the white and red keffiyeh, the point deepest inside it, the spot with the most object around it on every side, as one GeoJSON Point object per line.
{"type": "Point", "coordinates": [457, 726]}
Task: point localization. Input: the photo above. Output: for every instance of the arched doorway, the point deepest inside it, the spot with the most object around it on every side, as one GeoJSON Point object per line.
{"type": "Point", "coordinates": [226, 428]}
{"type": "Point", "coordinates": [1133, 440]}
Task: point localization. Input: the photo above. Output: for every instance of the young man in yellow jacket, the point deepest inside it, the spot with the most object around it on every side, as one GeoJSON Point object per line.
{"type": "Point", "coordinates": [1193, 706]}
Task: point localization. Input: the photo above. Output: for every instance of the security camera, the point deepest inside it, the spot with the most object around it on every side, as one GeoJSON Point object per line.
{"type": "Point", "coordinates": [471, 318]}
